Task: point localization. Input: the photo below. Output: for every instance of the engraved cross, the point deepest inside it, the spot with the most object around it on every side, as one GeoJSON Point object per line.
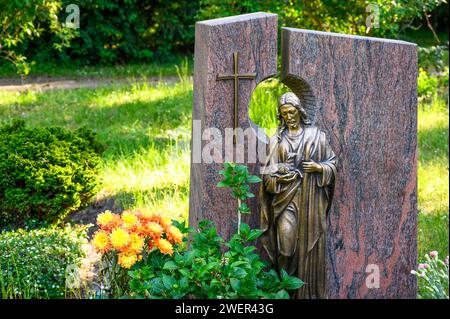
{"type": "Point", "coordinates": [236, 76]}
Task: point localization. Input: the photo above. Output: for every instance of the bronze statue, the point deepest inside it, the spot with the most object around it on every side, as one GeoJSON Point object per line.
{"type": "Point", "coordinates": [296, 195]}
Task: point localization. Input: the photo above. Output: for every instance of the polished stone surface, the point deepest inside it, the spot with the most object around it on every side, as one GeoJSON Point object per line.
{"type": "Point", "coordinates": [254, 38]}
{"type": "Point", "coordinates": [365, 93]}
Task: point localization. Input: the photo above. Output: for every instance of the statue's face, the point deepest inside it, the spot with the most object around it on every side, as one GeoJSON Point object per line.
{"type": "Point", "coordinates": [291, 116]}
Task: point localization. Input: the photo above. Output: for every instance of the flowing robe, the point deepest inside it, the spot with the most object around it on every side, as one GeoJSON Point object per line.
{"type": "Point", "coordinates": [294, 215]}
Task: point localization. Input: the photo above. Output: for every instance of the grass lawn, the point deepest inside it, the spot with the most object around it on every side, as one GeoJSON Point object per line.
{"type": "Point", "coordinates": [75, 71]}
{"type": "Point", "coordinates": [147, 131]}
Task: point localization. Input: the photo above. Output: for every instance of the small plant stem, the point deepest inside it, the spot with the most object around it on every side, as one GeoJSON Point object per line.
{"type": "Point", "coordinates": [239, 216]}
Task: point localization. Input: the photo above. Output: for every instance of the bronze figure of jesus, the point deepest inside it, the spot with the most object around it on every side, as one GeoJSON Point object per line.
{"type": "Point", "coordinates": [296, 195]}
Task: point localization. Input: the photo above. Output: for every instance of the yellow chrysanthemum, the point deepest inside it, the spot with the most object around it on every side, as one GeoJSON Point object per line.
{"type": "Point", "coordinates": [105, 219]}
{"type": "Point", "coordinates": [101, 242]}
{"type": "Point", "coordinates": [153, 230]}
{"type": "Point", "coordinates": [120, 239]}
{"type": "Point", "coordinates": [126, 260]}
{"type": "Point", "coordinates": [137, 244]}
{"type": "Point", "coordinates": [164, 246]}
{"type": "Point", "coordinates": [174, 235]}
{"type": "Point", "coordinates": [130, 220]}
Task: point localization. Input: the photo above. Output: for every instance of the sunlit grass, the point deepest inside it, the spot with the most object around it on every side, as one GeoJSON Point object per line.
{"type": "Point", "coordinates": [433, 177]}
{"type": "Point", "coordinates": [79, 71]}
{"type": "Point", "coordinates": [146, 130]}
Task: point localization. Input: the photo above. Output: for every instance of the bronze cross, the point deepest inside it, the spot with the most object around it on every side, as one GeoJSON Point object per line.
{"type": "Point", "coordinates": [235, 76]}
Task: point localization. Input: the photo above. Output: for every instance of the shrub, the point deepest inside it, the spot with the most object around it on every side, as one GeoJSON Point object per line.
{"type": "Point", "coordinates": [433, 277]}
{"type": "Point", "coordinates": [206, 271]}
{"type": "Point", "coordinates": [45, 172]}
{"type": "Point", "coordinates": [432, 58]}
{"type": "Point", "coordinates": [430, 84]}
{"type": "Point", "coordinates": [427, 85]}
{"type": "Point", "coordinates": [33, 262]}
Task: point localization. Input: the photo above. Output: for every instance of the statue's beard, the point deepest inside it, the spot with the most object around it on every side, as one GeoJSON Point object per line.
{"type": "Point", "coordinates": [292, 125]}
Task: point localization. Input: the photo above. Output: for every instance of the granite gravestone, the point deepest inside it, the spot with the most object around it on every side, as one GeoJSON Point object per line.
{"type": "Point", "coordinates": [232, 55]}
{"type": "Point", "coordinates": [364, 91]}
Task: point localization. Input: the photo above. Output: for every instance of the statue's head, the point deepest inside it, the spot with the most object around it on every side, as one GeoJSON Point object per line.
{"type": "Point", "coordinates": [290, 111]}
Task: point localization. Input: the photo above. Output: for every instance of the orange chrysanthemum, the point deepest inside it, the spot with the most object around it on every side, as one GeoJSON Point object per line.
{"type": "Point", "coordinates": [174, 235]}
{"type": "Point", "coordinates": [154, 230]}
{"type": "Point", "coordinates": [164, 246]}
{"type": "Point", "coordinates": [126, 260]}
{"type": "Point", "coordinates": [165, 222]}
{"type": "Point", "coordinates": [101, 242]}
{"type": "Point", "coordinates": [141, 229]}
{"type": "Point", "coordinates": [150, 245]}
{"type": "Point", "coordinates": [156, 218]}
{"type": "Point", "coordinates": [145, 215]}
{"type": "Point", "coordinates": [120, 239]}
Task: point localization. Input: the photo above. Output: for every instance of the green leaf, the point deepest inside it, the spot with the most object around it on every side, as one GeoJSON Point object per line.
{"type": "Point", "coordinates": [284, 276]}
{"type": "Point", "coordinates": [170, 265]}
{"type": "Point", "coordinates": [168, 281]}
{"type": "Point", "coordinates": [253, 179]}
{"type": "Point", "coordinates": [245, 230]}
{"type": "Point", "coordinates": [244, 209]}
{"type": "Point", "coordinates": [239, 272]}
{"type": "Point", "coordinates": [215, 282]}
{"type": "Point", "coordinates": [249, 195]}
{"type": "Point", "coordinates": [238, 263]}
{"type": "Point", "coordinates": [235, 284]}
{"type": "Point", "coordinates": [223, 184]}
{"type": "Point", "coordinates": [249, 249]}
{"type": "Point", "coordinates": [184, 272]}
{"type": "Point", "coordinates": [254, 234]}
{"type": "Point", "coordinates": [282, 294]}
{"type": "Point", "coordinates": [293, 283]}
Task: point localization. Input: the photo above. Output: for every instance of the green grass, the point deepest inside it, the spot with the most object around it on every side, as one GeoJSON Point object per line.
{"type": "Point", "coordinates": [76, 71]}
{"type": "Point", "coordinates": [433, 177]}
{"type": "Point", "coordinates": [146, 130]}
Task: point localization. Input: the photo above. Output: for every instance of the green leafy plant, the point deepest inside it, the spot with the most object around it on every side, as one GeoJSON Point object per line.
{"type": "Point", "coordinates": [432, 84]}
{"type": "Point", "coordinates": [33, 263]}
{"type": "Point", "coordinates": [23, 21]}
{"type": "Point", "coordinates": [427, 85]}
{"type": "Point", "coordinates": [207, 271]}
{"type": "Point", "coordinates": [213, 268]}
{"type": "Point", "coordinates": [432, 58]}
{"type": "Point", "coordinates": [238, 179]}
{"type": "Point", "coordinates": [433, 277]}
{"type": "Point", "coordinates": [45, 173]}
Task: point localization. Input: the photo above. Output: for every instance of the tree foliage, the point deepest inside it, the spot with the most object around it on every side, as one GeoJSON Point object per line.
{"type": "Point", "coordinates": [121, 31]}
{"type": "Point", "coordinates": [22, 21]}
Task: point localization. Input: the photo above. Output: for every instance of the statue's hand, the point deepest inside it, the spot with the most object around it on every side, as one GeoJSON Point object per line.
{"type": "Point", "coordinates": [286, 179]}
{"type": "Point", "coordinates": [311, 167]}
